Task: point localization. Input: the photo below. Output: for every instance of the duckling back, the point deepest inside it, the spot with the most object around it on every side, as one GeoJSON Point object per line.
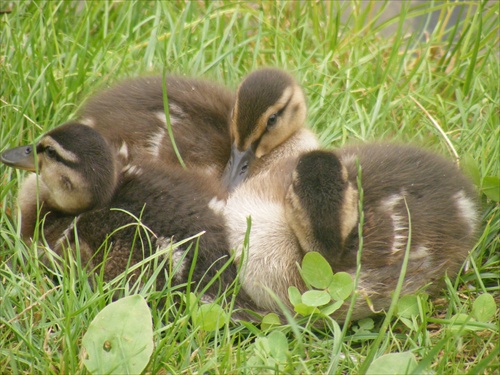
{"type": "Point", "coordinates": [409, 187]}
{"type": "Point", "coordinates": [411, 198]}
{"type": "Point", "coordinates": [132, 118]}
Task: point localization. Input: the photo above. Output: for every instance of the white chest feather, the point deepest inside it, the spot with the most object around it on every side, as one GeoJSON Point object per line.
{"type": "Point", "coordinates": [269, 263]}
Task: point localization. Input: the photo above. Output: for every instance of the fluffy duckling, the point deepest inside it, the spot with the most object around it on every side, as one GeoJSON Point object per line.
{"type": "Point", "coordinates": [131, 118]}
{"type": "Point", "coordinates": [267, 124]}
{"type": "Point", "coordinates": [78, 185]}
{"type": "Point", "coordinates": [314, 204]}
{"type": "Point", "coordinates": [76, 169]}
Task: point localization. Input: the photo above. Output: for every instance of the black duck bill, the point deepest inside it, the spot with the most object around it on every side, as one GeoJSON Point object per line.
{"type": "Point", "coordinates": [237, 167]}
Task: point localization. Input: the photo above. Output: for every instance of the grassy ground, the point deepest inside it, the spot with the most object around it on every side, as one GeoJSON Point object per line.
{"type": "Point", "coordinates": [359, 86]}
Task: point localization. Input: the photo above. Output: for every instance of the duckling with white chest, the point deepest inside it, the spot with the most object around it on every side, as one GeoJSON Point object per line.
{"type": "Point", "coordinates": [266, 124]}
{"type": "Point", "coordinates": [411, 198]}
{"type": "Point", "coordinates": [78, 187]}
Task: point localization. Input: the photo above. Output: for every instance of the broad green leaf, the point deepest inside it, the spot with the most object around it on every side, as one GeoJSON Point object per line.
{"type": "Point", "coordinates": [491, 187]}
{"type": "Point", "coordinates": [366, 324]}
{"type": "Point", "coordinates": [305, 310]}
{"type": "Point", "coordinates": [484, 308]}
{"type": "Point", "coordinates": [262, 344]}
{"type": "Point", "coordinates": [260, 356]}
{"type": "Point", "coordinates": [408, 306]}
{"type": "Point", "coordinates": [270, 320]}
{"type": "Point", "coordinates": [210, 317]}
{"type": "Point", "coordinates": [409, 323]}
{"type": "Point", "coordinates": [459, 323]}
{"type": "Point", "coordinates": [393, 364]}
{"type": "Point", "coordinates": [269, 351]}
{"type": "Point", "coordinates": [331, 308]}
{"type": "Point", "coordinates": [278, 345]}
{"type": "Point", "coordinates": [294, 295]}
{"type": "Point", "coordinates": [315, 298]}
{"type": "Point", "coordinates": [316, 270]}
{"type": "Point", "coordinates": [120, 338]}
{"type": "Point", "coordinates": [341, 286]}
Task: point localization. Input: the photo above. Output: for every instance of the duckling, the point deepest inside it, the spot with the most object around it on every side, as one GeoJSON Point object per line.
{"type": "Point", "coordinates": [131, 117]}
{"type": "Point", "coordinates": [267, 124]}
{"type": "Point", "coordinates": [77, 172]}
{"type": "Point", "coordinates": [78, 186]}
{"type": "Point", "coordinates": [312, 204]}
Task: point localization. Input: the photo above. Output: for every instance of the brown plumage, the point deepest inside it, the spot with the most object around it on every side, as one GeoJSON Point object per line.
{"type": "Point", "coordinates": [311, 204]}
{"type": "Point", "coordinates": [78, 186]}
{"type": "Point", "coordinates": [131, 117]}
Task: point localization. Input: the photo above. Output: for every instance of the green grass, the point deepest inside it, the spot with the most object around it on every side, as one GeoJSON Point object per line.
{"type": "Point", "coordinates": [360, 85]}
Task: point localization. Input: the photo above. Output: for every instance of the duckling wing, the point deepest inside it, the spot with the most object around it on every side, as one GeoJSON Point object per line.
{"type": "Point", "coordinates": [131, 116]}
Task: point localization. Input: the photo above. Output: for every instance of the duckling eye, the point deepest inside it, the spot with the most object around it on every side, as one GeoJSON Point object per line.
{"type": "Point", "coordinates": [50, 152]}
{"type": "Point", "coordinates": [272, 120]}
{"type": "Point", "coordinates": [244, 168]}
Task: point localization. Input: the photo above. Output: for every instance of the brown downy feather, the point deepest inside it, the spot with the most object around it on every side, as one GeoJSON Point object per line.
{"type": "Point", "coordinates": [311, 204]}
{"type": "Point", "coordinates": [131, 117]}
{"type": "Point", "coordinates": [76, 169]}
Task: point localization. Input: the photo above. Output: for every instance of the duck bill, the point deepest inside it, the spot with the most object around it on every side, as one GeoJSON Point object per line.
{"type": "Point", "coordinates": [20, 157]}
{"type": "Point", "coordinates": [237, 167]}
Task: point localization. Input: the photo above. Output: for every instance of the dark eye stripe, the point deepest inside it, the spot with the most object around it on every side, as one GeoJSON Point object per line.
{"type": "Point", "coordinates": [51, 152]}
{"type": "Point", "coordinates": [280, 112]}
{"type": "Point", "coordinates": [271, 121]}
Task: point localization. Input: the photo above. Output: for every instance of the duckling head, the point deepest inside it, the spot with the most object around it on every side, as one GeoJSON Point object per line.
{"type": "Point", "coordinates": [322, 204]}
{"type": "Point", "coordinates": [269, 108]}
{"type": "Point", "coordinates": [75, 167]}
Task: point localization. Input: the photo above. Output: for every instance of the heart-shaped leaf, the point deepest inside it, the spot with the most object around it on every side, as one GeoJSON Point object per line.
{"type": "Point", "coordinates": [278, 345]}
{"type": "Point", "coordinates": [393, 364]}
{"type": "Point", "coordinates": [331, 308]}
{"type": "Point", "coordinates": [341, 286]}
{"type": "Point", "coordinates": [210, 317]}
{"type": "Point", "coordinates": [408, 306]}
{"type": "Point", "coordinates": [316, 298]}
{"type": "Point", "coordinates": [305, 310]}
{"type": "Point", "coordinates": [294, 295]}
{"type": "Point", "coordinates": [484, 308]}
{"type": "Point", "coordinates": [270, 320]}
{"type": "Point", "coordinates": [491, 187]}
{"type": "Point", "coordinates": [316, 270]}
